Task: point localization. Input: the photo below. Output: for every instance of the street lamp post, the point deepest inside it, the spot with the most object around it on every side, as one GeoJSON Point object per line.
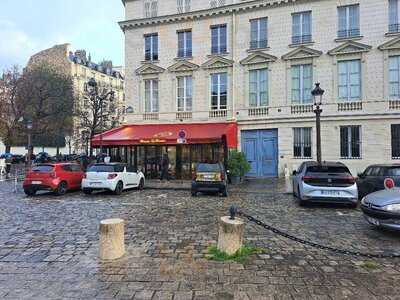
{"type": "Point", "coordinates": [317, 94]}
{"type": "Point", "coordinates": [29, 126]}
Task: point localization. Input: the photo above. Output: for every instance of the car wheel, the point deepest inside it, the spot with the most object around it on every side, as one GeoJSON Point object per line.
{"type": "Point", "coordinates": [301, 201]}
{"type": "Point", "coordinates": [194, 193]}
{"type": "Point", "coordinates": [141, 184]}
{"type": "Point", "coordinates": [119, 188]}
{"type": "Point", "coordinates": [62, 188]}
{"type": "Point", "coordinates": [30, 192]}
{"type": "Point", "coordinates": [353, 205]}
{"type": "Point", "coordinates": [87, 191]}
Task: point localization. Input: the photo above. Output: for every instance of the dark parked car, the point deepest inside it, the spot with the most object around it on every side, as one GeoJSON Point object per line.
{"type": "Point", "coordinates": [372, 179]}
{"type": "Point", "coordinates": [382, 208]}
{"type": "Point", "coordinates": [210, 178]}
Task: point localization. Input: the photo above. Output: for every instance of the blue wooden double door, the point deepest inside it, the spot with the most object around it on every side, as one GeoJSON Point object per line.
{"type": "Point", "coordinates": [261, 150]}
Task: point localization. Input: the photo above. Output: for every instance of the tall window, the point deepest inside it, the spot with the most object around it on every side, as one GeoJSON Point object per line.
{"type": "Point", "coordinates": [349, 81]}
{"type": "Point", "coordinates": [216, 3]}
{"type": "Point", "coordinates": [394, 77]}
{"type": "Point", "coordinates": [301, 84]}
{"type": "Point", "coordinates": [218, 39]}
{"type": "Point", "coordinates": [150, 8]}
{"type": "Point", "coordinates": [151, 95]}
{"type": "Point", "coordinates": [394, 15]}
{"type": "Point", "coordinates": [350, 141]}
{"type": "Point", "coordinates": [151, 46]}
{"type": "Point", "coordinates": [258, 28]}
{"type": "Point", "coordinates": [185, 43]}
{"type": "Point", "coordinates": [183, 6]}
{"type": "Point", "coordinates": [302, 142]}
{"type": "Point", "coordinates": [184, 93]}
{"type": "Point", "coordinates": [258, 88]}
{"type": "Point", "coordinates": [301, 27]}
{"type": "Point", "coordinates": [219, 91]}
{"type": "Point", "coordinates": [395, 128]}
{"type": "Point", "coordinates": [349, 21]}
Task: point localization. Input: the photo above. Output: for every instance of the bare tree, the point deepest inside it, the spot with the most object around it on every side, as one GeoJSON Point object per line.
{"type": "Point", "coordinates": [97, 111]}
{"type": "Point", "coordinates": [11, 110]}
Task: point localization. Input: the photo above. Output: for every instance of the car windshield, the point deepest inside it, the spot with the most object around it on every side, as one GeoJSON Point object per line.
{"type": "Point", "coordinates": [103, 168]}
{"type": "Point", "coordinates": [327, 169]}
{"type": "Point", "coordinates": [43, 168]}
{"type": "Point", "coordinates": [208, 168]}
{"type": "Point", "coordinates": [393, 171]}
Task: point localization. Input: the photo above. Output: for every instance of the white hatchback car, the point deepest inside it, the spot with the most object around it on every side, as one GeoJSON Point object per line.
{"type": "Point", "coordinates": [115, 177]}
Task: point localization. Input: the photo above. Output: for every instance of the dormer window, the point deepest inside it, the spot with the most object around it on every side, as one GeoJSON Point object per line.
{"type": "Point", "coordinates": [183, 6]}
{"type": "Point", "coordinates": [150, 8]}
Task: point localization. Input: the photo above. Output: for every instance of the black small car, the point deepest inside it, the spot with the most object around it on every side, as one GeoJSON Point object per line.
{"type": "Point", "coordinates": [372, 179]}
{"type": "Point", "coordinates": [210, 178]}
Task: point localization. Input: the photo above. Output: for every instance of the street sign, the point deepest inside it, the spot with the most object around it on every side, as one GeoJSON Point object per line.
{"type": "Point", "coordinates": [181, 137]}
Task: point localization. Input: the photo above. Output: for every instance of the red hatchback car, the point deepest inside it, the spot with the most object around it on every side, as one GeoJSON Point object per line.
{"type": "Point", "coordinates": [57, 177]}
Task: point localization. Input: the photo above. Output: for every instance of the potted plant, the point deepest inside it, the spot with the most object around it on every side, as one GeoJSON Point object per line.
{"type": "Point", "coordinates": [238, 166]}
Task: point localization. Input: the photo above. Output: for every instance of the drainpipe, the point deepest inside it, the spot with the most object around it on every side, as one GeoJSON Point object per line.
{"type": "Point", "coordinates": [233, 48]}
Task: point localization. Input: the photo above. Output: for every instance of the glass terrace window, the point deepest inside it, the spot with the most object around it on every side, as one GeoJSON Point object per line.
{"type": "Point", "coordinates": [151, 95]}
{"type": "Point", "coordinates": [394, 16]}
{"type": "Point", "coordinates": [184, 93]}
{"type": "Point", "coordinates": [349, 21]}
{"type": "Point", "coordinates": [183, 6]}
{"type": "Point", "coordinates": [394, 77]}
{"type": "Point", "coordinates": [349, 80]}
{"type": "Point", "coordinates": [219, 91]}
{"type": "Point", "coordinates": [301, 28]}
{"type": "Point", "coordinates": [258, 88]}
{"type": "Point", "coordinates": [350, 141]}
{"type": "Point", "coordinates": [218, 39]}
{"type": "Point", "coordinates": [301, 84]}
{"type": "Point", "coordinates": [185, 43]}
{"type": "Point", "coordinates": [302, 142]}
{"type": "Point", "coordinates": [395, 128]}
{"type": "Point", "coordinates": [258, 28]}
{"type": "Point", "coordinates": [151, 46]}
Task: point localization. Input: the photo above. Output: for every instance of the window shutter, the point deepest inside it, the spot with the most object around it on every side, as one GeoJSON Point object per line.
{"type": "Point", "coordinates": [394, 80]}
{"type": "Point", "coordinates": [306, 24]}
{"type": "Point", "coordinates": [393, 14]}
{"type": "Point", "coordinates": [344, 140]}
{"type": "Point", "coordinates": [296, 31]}
{"type": "Point", "coordinates": [342, 18]}
{"type": "Point", "coordinates": [354, 17]}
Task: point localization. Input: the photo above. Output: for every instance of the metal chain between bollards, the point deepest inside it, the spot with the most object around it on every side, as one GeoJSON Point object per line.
{"type": "Point", "coordinates": [312, 244]}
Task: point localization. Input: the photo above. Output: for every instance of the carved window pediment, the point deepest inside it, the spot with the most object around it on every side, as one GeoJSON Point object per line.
{"type": "Point", "coordinates": [350, 47]}
{"type": "Point", "coordinates": [149, 68]}
{"type": "Point", "coordinates": [301, 53]}
{"type": "Point", "coordinates": [217, 62]}
{"type": "Point", "coordinates": [183, 66]}
{"type": "Point", "coordinates": [258, 58]}
{"type": "Point", "coordinates": [393, 44]}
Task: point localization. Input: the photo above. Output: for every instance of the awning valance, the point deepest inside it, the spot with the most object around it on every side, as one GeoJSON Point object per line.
{"type": "Point", "coordinates": [168, 134]}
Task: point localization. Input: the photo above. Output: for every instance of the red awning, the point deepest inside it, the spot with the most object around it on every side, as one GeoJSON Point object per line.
{"type": "Point", "coordinates": [169, 134]}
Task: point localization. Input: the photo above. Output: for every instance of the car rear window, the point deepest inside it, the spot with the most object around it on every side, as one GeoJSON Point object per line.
{"type": "Point", "coordinates": [106, 168]}
{"type": "Point", "coordinates": [327, 169]}
{"type": "Point", "coordinates": [395, 171]}
{"type": "Point", "coordinates": [43, 168]}
{"type": "Point", "coordinates": [208, 168]}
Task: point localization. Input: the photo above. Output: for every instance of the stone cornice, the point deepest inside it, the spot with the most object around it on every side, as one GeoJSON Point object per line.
{"type": "Point", "coordinates": [202, 14]}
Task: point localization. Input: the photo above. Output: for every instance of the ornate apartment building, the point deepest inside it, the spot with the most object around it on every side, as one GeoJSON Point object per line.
{"type": "Point", "coordinates": [254, 63]}
{"type": "Point", "coordinates": [81, 68]}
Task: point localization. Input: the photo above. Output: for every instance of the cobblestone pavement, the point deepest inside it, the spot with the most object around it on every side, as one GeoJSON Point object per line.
{"type": "Point", "coordinates": [49, 245]}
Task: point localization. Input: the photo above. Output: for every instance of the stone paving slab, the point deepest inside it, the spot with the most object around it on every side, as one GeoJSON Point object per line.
{"type": "Point", "coordinates": [49, 246]}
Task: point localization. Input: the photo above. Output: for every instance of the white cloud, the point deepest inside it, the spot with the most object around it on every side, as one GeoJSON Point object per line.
{"type": "Point", "coordinates": [16, 46]}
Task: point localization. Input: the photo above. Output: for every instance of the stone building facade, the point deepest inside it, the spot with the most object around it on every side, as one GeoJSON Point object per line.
{"type": "Point", "coordinates": [255, 62]}
{"type": "Point", "coordinates": [82, 69]}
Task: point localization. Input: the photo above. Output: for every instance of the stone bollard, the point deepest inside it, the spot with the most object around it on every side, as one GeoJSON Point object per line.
{"type": "Point", "coordinates": [112, 239]}
{"type": "Point", "coordinates": [230, 235]}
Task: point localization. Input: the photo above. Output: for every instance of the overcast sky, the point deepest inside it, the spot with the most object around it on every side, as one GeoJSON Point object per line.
{"type": "Point", "coordinates": [28, 26]}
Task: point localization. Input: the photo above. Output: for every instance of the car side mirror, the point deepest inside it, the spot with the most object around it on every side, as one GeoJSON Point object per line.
{"type": "Point", "coordinates": [361, 175]}
{"type": "Point", "coordinates": [294, 173]}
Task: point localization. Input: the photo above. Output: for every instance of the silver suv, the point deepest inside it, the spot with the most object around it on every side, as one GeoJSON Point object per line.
{"type": "Point", "coordinates": [329, 182]}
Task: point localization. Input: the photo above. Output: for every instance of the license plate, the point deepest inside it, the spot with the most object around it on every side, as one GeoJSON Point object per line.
{"type": "Point", "coordinates": [330, 193]}
{"type": "Point", "coordinates": [94, 183]}
{"type": "Point", "coordinates": [373, 221]}
{"type": "Point", "coordinates": [36, 182]}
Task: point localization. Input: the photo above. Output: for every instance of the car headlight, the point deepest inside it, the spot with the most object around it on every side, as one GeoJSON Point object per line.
{"type": "Point", "coordinates": [363, 200]}
{"type": "Point", "coordinates": [392, 207]}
